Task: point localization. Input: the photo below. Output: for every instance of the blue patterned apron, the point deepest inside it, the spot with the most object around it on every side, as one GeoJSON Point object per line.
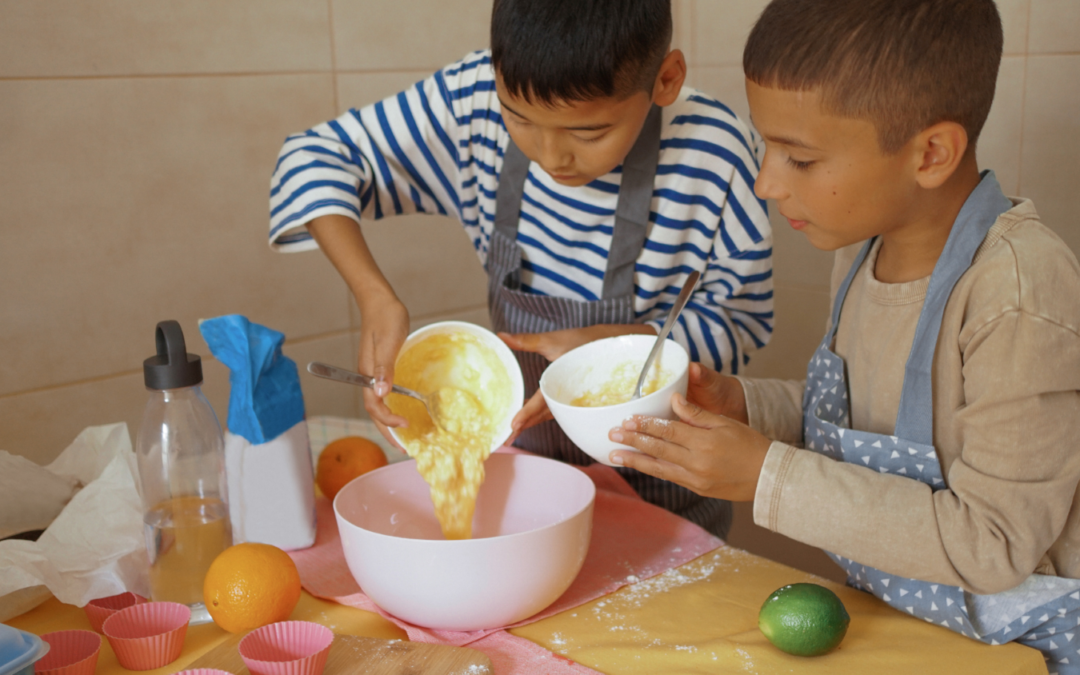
{"type": "Point", "coordinates": [1043, 612]}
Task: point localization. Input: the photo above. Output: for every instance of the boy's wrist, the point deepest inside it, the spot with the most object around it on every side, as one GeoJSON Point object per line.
{"type": "Point", "coordinates": [374, 294]}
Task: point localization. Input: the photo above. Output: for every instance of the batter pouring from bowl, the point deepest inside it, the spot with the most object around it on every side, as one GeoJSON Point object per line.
{"type": "Point", "coordinates": [472, 388]}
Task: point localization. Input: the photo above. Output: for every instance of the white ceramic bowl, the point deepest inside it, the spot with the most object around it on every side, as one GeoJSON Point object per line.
{"type": "Point", "coordinates": [506, 357]}
{"type": "Point", "coordinates": [590, 367]}
{"type": "Point", "coordinates": [530, 535]}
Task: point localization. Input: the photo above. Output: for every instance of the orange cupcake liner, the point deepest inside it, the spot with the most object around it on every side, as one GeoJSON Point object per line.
{"type": "Point", "coordinates": [71, 652]}
{"type": "Point", "coordinates": [287, 648]}
{"type": "Point", "coordinates": [102, 608]}
{"type": "Point", "coordinates": [148, 635]}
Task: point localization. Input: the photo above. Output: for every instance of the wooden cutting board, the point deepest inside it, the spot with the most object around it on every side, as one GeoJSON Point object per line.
{"type": "Point", "coordinates": [371, 656]}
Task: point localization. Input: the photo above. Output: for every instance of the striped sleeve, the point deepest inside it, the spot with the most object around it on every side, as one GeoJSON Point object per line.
{"type": "Point", "coordinates": [409, 153]}
{"type": "Point", "coordinates": [731, 311]}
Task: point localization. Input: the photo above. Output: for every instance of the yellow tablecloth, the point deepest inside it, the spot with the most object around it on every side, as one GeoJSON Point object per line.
{"type": "Point", "coordinates": [698, 618]}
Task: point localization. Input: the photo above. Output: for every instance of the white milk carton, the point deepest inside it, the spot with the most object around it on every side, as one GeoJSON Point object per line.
{"type": "Point", "coordinates": [267, 453]}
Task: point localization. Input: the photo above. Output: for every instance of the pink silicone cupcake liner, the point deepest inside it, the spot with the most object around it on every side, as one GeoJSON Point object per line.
{"type": "Point", "coordinates": [71, 652]}
{"type": "Point", "coordinates": [102, 608]}
{"type": "Point", "coordinates": [148, 635]}
{"type": "Point", "coordinates": [287, 648]}
{"type": "Point", "coordinates": [204, 671]}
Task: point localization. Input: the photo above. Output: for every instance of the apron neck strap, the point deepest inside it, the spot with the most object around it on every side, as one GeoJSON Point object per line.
{"type": "Point", "coordinates": [631, 214]}
{"type": "Point", "coordinates": [915, 418]}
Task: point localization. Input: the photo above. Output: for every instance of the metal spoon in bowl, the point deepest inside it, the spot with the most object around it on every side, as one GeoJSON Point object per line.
{"type": "Point", "coordinates": [431, 401]}
{"type": "Point", "coordinates": [676, 309]}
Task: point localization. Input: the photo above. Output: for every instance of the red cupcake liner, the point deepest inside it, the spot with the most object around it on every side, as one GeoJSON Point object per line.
{"type": "Point", "coordinates": [71, 652]}
{"type": "Point", "coordinates": [148, 635]}
{"type": "Point", "coordinates": [102, 608]}
{"type": "Point", "coordinates": [287, 648]}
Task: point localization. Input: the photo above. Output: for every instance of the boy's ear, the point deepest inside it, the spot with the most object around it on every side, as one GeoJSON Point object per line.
{"type": "Point", "coordinates": [669, 80]}
{"type": "Point", "coordinates": [940, 149]}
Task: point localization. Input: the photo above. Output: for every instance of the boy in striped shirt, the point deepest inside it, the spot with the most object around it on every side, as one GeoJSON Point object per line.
{"type": "Point", "coordinates": [590, 182]}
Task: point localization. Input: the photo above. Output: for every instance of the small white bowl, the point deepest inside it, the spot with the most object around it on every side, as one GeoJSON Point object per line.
{"type": "Point", "coordinates": [517, 386]}
{"type": "Point", "coordinates": [592, 366]}
{"type": "Point", "coordinates": [531, 532]}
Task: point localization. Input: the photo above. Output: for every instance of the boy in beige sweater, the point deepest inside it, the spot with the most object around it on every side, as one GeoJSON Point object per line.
{"type": "Point", "coordinates": [934, 448]}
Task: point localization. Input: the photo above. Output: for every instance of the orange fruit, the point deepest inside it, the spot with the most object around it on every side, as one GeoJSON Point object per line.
{"type": "Point", "coordinates": [251, 585]}
{"type": "Point", "coordinates": [345, 459]}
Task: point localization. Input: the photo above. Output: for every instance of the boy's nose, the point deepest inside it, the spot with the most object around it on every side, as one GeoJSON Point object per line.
{"type": "Point", "coordinates": [554, 159]}
{"type": "Point", "coordinates": [767, 186]}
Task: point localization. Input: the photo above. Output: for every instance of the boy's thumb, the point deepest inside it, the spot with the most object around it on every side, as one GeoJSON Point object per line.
{"type": "Point", "coordinates": [690, 413]}
{"type": "Point", "coordinates": [522, 342]}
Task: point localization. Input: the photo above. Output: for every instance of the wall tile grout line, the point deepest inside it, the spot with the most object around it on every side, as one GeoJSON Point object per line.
{"type": "Point", "coordinates": [239, 73]}
{"type": "Point", "coordinates": [333, 51]}
{"type": "Point", "coordinates": [135, 371]}
{"type": "Point", "coordinates": [1023, 104]}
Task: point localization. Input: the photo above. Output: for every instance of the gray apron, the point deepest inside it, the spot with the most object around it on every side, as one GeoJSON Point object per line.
{"type": "Point", "coordinates": [1043, 612]}
{"type": "Point", "coordinates": [515, 311]}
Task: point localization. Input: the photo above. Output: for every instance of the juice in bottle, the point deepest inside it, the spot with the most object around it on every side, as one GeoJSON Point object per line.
{"type": "Point", "coordinates": [183, 536]}
{"type": "Point", "coordinates": [181, 456]}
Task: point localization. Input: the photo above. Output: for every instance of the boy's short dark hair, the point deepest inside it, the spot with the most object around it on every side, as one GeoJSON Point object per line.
{"type": "Point", "coordinates": [579, 50]}
{"type": "Point", "coordinates": [904, 65]}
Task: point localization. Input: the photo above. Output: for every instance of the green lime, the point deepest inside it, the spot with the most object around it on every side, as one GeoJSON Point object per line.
{"type": "Point", "coordinates": [803, 619]}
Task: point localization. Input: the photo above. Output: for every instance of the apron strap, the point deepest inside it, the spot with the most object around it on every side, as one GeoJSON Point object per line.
{"type": "Point", "coordinates": [631, 214]}
{"type": "Point", "coordinates": [635, 204]}
{"type": "Point", "coordinates": [841, 293]}
{"type": "Point", "coordinates": [915, 418]}
{"type": "Point", "coordinates": [515, 170]}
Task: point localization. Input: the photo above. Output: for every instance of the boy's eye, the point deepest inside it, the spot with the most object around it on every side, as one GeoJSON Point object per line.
{"type": "Point", "coordinates": [589, 140]}
{"type": "Point", "coordinates": [797, 165]}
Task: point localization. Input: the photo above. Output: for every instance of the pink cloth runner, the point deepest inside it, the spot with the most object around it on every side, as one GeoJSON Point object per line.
{"type": "Point", "coordinates": [632, 540]}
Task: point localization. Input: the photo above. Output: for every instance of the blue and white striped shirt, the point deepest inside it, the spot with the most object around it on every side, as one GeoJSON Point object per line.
{"type": "Point", "coordinates": [438, 148]}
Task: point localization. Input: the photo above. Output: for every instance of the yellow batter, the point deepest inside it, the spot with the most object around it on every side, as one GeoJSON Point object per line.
{"type": "Point", "coordinates": [620, 388]}
{"type": "Point", "coordinates": [472, 391]}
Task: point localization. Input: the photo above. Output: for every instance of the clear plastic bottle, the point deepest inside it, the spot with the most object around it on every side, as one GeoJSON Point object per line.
{"type": "Point", "coordinates": [181, 456]}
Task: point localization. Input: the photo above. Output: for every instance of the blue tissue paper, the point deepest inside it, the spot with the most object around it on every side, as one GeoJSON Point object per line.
{"type": "Point", "coordinates": [265, 400]}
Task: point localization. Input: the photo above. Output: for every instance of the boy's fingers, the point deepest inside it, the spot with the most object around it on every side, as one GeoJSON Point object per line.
{"type": "Point", "coordinates": [379, 411]}
{"type": "Point", "coordinates": [644, 463]}
{"type": "Point", "coordinates": [679, 432]}
{"type": "Point", "coordinates": [650, 444]}
{"type": "Point", "coordinates": [510, 340]}
{"type": "Point", "coordinates": [522, 342]}
{"type": "Point", "coordinates": [694, 415]}
{"type": "Point", "coordinates": [696, 372]}
{"type": "Point", "coordinates": [533, 407]}
{"type": "Point", "coordinates": [386, 434]}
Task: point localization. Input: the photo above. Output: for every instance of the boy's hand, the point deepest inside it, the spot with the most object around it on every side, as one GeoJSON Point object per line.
{"type": "Point", "coordinates": [554, 344]}
{"type": "Point", "coordinates": [551, 346]}
{"type": "Point", "coordinates": [712, 455]}
{"type": "Point", "coordinates": [716, 393]}
{"type": "Point", "coordinates": [532, 413]}
{"type": "Point", "coordinates": [383, 329]}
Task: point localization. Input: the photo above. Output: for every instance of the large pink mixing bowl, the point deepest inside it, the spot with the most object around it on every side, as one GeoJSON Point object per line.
{"type": "Point", "coordinates": [530, 536]}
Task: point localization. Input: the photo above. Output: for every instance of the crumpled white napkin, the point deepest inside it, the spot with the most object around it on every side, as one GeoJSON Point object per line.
{"type": "Point", "coordinates": [94, 548]}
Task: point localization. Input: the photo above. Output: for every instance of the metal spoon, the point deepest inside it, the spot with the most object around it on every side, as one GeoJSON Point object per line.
{"type": "Point", "coordinates": [431, 402]}
{"type": "Point", "coordinates": [676, 309]}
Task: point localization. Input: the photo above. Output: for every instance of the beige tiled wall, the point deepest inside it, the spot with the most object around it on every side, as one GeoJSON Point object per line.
{"type": "Point", "coordinates": [139, 139]}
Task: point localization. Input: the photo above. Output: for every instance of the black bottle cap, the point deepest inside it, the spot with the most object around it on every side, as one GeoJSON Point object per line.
{"type": "Point", "coordinates": [173, 367]}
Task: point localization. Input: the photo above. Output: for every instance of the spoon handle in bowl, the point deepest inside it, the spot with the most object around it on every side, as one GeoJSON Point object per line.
{"type": "Point", "coordinates": [359, 379]}
{"type": "Point", "coordinates": [673, 315]}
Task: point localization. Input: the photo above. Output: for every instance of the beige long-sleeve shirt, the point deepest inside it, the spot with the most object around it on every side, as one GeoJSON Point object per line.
{"type": "Point", "coordinates": [1006, 387]}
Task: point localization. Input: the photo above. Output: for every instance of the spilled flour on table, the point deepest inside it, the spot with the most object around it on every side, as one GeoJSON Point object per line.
{"type": "Point", "coordinates": [638, 636]}
{"type": "Point", "coordinates": [474, 670]}
{"type": "Point", "coordinates": [620, 613]}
